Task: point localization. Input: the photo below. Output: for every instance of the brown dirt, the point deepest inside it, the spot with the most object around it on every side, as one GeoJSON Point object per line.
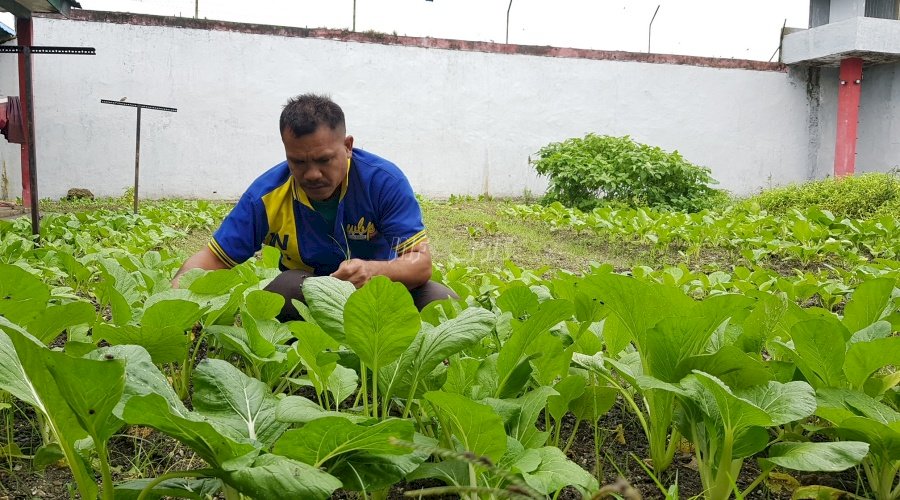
{"type": "Point", "coordinates": [135, 452]}
{"type": "Point", "coordinates": [142, 452]}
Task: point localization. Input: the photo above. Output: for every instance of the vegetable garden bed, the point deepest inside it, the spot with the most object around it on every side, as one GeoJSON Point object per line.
{"type": "Point", "coordinates": [774, 374]}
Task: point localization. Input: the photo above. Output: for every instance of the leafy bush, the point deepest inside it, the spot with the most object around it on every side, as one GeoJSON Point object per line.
{"type": "Point", "coordinates": [855, 197]}
{"type": "Point", "coordinates": [586, 171]}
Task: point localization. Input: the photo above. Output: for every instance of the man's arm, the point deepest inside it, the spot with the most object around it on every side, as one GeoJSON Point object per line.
{"type": "Point", "coordinates": [413, 268]}
{"type": "Point", "coordinates": [204, 259]}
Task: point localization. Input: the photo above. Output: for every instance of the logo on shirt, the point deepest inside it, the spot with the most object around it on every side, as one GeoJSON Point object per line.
{"type": "Point", "coordinates": [361, 230]}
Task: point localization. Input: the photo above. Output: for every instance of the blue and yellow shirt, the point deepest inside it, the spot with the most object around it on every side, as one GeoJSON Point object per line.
{"type": "Point", "coordinates": [378, 218]}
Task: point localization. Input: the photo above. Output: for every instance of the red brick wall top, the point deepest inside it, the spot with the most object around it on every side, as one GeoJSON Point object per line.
{"type": "Point", "coordinates": [411, 41]}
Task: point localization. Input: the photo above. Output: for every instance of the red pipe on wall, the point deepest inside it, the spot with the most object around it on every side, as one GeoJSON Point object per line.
{"type": "Point", "coordinates": [849, 92]}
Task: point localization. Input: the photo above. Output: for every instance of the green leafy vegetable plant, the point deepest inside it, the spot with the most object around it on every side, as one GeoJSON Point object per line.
{"type": "Point", "coordinates": [618, 169]}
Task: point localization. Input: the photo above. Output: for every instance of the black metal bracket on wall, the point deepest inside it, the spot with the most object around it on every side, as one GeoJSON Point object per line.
{"type": "Point", "coordinates": [137, 147]}
{"type": "Point", "coordinates": [75, 51]}
{"type": "Point", "coordinates": [25, 66]}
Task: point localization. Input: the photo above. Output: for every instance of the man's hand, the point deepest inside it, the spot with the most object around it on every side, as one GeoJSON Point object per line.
{"type": "Point", "coordinates": [356, 271]}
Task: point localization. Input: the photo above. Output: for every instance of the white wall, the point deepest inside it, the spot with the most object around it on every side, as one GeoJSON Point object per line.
{"type": "Point", "coordinates": [454, 121]}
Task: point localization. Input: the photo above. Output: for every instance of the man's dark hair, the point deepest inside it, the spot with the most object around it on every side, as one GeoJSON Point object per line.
{"type": "Point", "coordinates": [303, 114]}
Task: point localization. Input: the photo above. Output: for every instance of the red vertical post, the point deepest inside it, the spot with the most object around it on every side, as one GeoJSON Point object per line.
{"type": "Point", "coordinates": [24, 38]}
{"type": "Point", "coordinates": [849, 91]}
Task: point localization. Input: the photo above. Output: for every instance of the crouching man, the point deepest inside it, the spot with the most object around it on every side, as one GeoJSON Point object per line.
{"type": "Point", "coordinates": [330, 209]}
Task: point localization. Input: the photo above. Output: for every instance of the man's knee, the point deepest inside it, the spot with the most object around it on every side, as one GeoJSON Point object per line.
{"type": "Point", "coordinates": [430, 292]}
{"type": "Point", "coordinates": [289, 285]}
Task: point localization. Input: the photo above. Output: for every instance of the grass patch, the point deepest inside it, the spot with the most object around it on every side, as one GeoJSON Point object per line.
{"type": "Point", "coordinates": [478, 233]}
{"type": "Point", "coordinates": [857, 197]}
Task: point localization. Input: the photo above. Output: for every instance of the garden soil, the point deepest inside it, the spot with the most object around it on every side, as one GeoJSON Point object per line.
{"type": "Point", "coordinates": [140, 450]}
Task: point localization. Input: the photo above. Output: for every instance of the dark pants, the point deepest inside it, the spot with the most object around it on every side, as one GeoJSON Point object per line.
{"type": "Point", "coordinates": [288, 284]}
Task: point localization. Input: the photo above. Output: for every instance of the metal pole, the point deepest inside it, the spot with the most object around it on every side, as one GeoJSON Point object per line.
{"type": "Point", "coordinates": [137, 159]}
{"type": "Point", "coordinates": [354, 16]}
{"type": "Point", "coordinates": [507, 20]}
{"type": "Point", "coordinates": [196, 9]}
{"type": "Point", "coordinates": [780, 40]}
{"type": "Point", "coordinates": [650, 28]}
{"type": "Point", "coordinates": [32, 155]}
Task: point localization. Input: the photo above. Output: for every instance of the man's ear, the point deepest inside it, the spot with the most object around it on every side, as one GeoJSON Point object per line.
{"type": "Point", "coordinates": [348, 143]}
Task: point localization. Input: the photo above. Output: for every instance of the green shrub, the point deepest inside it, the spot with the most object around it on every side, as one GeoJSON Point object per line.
{"type": "Point", "coordinates": [585, 172]}
{"type": "Point", "coordinates": [856, 197]}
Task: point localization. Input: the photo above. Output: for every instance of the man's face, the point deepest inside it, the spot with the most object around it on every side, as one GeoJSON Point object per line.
{"type": "Point", "coordinates": [318, 161]}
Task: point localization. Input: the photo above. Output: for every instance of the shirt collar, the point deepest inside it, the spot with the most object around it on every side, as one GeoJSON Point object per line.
{"type": "Point", "coordinates": [300, 194]}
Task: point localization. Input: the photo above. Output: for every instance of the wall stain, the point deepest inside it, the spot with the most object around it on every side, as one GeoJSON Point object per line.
{"type": "Point", "coordinates": [4, 183]}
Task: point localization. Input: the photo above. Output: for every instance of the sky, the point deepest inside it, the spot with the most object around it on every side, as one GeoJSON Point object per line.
{"type": "Point", "coordinates": [713, 28]}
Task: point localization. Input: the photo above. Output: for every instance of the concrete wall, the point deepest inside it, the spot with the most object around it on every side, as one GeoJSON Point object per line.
{"type": "Point", "coordinates": [878, 146]}
{"type": "Point", "coordinates": [456, 121]}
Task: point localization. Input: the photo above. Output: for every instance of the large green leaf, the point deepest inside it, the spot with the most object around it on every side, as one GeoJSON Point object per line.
{"type": "Point", "coordinates": [13, 378]}
{"type": "Point", "coordinates": [217, 282]}
{"type": "Point", "coordinates": [22, 296]}
{"type": "Point", "coordinates": [568, 389]}
{"type": "Point", "coordinates": [32, 376]}
{"type": "Point", "coordinates": [215, 445]}
{"type": "Point", "coordinates": [836, 405]}
{"type": "Point", "coordinates": [193, 489]}
{"type": "Point", "coordinates": [369, 471]}
{"type": "Point", "coordinates": [452, 472]}
{"type": "Point", "coordinates": [142, 377]}
{"type": "Point", "coordinates": [299, 410]}
{"type": "Point", "coordinates": [673, 339]}
{"type": "Point", "coordinates": [638, 305]}
{"type": "Point", "coordinates": [435, 344]}
{"type": "Point", "coordinates": [235, 338]}
{"type": "Point", "coordinates": [329, 439]}
{"type": "Point", "coordinates": [478, 429]}
{"type": "Point", "coordinates": [522, 426]}
{"type": "Point", "coordinates": [462, 377]}
{"type": "Point", "coordinates": [161, 333]}
{"type": "Point", "coordinates": [719, 403]}
{"type": "Point", "coordinates": [92, 389]}
{"type": "Point", "coordinates": [380, 321]}
{"type": "Point", "coordinates": [226, 396]}
{"type": "Point", "coordinates": [342, 383]}
{"type": "Point", "coordinates": [870, 302]}
{"type": "Point", "coordinates": [519, 300]}
{"type": "Point", "coordinates": [512, 362]}
{"type": "Point", "coordinates": [813, 457]}
{"type": "Point", "coordinates": [762, 323]}
{"type": "Point", "coordinates": [326, 297]}
{"type": "Point", "coordinates": [730, 365]}
{"type": "Point", "coordinates": [877, 330]}
{"type": "Point", "coordinates": [554, 359]}
{"type": "Point", "coordinates": [56, 318]}
{"type": "Point", "coordinates": [262, 335]}
{"type": "Point", "coordinates": [314, 347]}
{"type": "Point", "coordinates": [884, 440]}
{"type": "Point", "coordinates": [273, 476]}
{"type": "Point", "coordinates": [594, 403]}
{"type": "Point", "coordinates": [865, 358]}
{"type": "Point", "coordinates": [262, 304]}
{"type": "Point", "coordinates": [820, 347]}
{"type": "Point", "coordinates": [783, 403]}
{"type": "Point", "coordinates": [547, 470]}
